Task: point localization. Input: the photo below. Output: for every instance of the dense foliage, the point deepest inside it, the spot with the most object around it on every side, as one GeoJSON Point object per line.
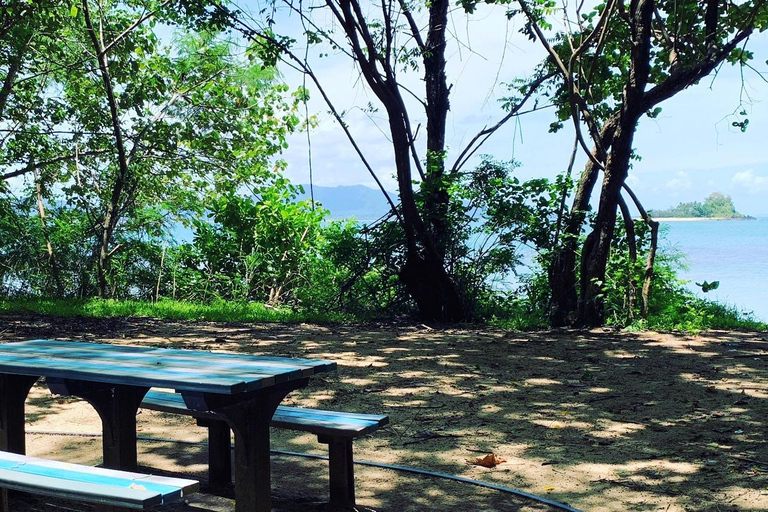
{"type": "Point", "coordinates": [609, 66]}
{"type": "Point", "coordinates": [142, 172]}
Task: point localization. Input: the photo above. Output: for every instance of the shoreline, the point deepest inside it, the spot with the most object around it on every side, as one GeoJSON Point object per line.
{"type": "Point", "coordinates": [690, 219]}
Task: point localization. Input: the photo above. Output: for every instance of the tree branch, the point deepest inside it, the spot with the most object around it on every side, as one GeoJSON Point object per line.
{"type": "Point", "coordinates": [469, 150]}
{"type": "Point", "coordinates": [32, 166]}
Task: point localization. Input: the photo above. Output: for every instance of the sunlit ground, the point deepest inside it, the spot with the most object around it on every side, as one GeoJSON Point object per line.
{"type": "Point", "coordinates": [600, 420]}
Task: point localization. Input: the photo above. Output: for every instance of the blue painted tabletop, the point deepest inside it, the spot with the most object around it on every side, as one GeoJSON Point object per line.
{"type": "Point", "coordinates": [182, 370]}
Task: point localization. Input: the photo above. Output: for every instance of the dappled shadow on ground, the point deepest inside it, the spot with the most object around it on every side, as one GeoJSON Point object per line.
{"type": "Point", "coordinates": [599, 419]}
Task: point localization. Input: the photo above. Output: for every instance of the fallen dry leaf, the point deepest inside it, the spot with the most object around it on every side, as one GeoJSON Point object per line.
{"type": "Point", "coordinates": [489, 461]}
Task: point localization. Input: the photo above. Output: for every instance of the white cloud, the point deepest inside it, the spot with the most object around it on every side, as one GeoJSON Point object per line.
{"type": "Point", "coordinates": [633, 181]}
{"type": "Point", "coordinates": [750, 181]}
{"type": "Point", "coordinates": [680, 181]}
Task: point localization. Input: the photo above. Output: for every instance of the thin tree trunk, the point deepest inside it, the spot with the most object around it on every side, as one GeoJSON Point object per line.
{"type": "Point", "coordinates": [437, 95]}
{"type": "Point", "coordinates": [52, 261]}
{"type": "Point", "coordinates": [651, 258]}
{"type": "Point", "coordinates": [159, 275]}
{"type": "Point", "coordinates": [649, 264]}
{"type": "Point", "coordinates": [629, 227]}
{"type": "Point", "coordinates": [562, 271]}
{"type": "Point", "coordinates": [111, 214]}
{"type": "Point", "coordinates": [14, 65]}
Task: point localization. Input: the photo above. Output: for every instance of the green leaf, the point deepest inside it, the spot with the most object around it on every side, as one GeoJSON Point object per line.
{"type": "Point", "coordinates": [653, 114]}
{"type": "Point", "coordinates": [706, 287]}
{"type": "Point", "coordinates": [73, 11]}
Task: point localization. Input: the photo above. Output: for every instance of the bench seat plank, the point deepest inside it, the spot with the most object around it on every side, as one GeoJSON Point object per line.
{"type": "Point", "coordinates": [344, 424]}
{"type": "Point", "coordinates": [316, 421]}
{"type": "Point", "coordinates": [90, 484]}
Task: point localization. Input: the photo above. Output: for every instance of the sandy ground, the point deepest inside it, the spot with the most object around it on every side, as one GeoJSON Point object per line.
{"type": "Point", "coordinates": [600, 420]}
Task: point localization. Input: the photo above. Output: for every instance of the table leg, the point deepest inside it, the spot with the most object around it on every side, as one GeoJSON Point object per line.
{"type": "Point", "coordinates": [219, 452]}
{"type": "Point", "coordinates": [116, 405]}
{"type": "Point", "coordinates": [249, 418]}
{"type": "Point", "coordinates": [253, 477]}
{"type": "Point", "coordinates": [13, 393]}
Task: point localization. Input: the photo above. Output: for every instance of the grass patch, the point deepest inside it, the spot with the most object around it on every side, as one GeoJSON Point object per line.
{"type": "Point", "coordinates": [519, 320]}
{"type": "Point", "coordinates": [219, 311]}
{"type": "Point", "coordinates": [693, 314]}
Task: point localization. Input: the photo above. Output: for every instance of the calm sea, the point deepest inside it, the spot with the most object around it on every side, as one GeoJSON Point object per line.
{"type": "Point", "coordinates": [732, 252]}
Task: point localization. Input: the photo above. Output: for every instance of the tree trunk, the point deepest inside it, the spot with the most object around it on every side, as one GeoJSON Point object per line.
{"type": "Point", "coordinates": [423, 272]}
{"type": "Point", "coordinates": [595, 260]}
{"type": "Point", "coordinates": [562, 270]}
{"type": "Point", "coordinates": [561, 273]}
{"type": "Point", "coordinates": [437, 105]}
{"type": "Point", "coordinates": [52, 261]}
{"type": "Point", "coordinates": [595, 254]}
{"type": "Point", "coordinates": [111, 215]}
{"type": "Point", "coordinates": [649, 264]}
{"type": "Point", "coordinates": [629, 227]}
{"type": "Point", "coordinates": [13, 67]}
{"type": "Point", "coordinates": [432, 289]}
{"type": "Point", "coordinates": [651, 259]}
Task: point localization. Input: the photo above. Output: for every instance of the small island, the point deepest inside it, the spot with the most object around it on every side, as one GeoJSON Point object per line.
{"type": "Point", "coordinates": [716, 206]}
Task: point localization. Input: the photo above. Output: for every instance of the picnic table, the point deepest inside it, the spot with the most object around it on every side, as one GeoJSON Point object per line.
{"type": "Point", "coordinates": [244, 390]}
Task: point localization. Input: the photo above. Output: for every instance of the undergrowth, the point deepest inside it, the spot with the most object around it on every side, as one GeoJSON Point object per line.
{"type": "Point", "coordinates": [219, 311]}
{"type": "Point", "coordinates": [687, 313]}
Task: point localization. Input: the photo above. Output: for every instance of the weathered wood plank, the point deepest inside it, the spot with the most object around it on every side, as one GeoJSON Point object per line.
{"type": "Point", "coordinates": [89, 493]}
{"type": "Point", "coordinates": [171, 362]}
{"type": "Point", "coordinates": [328, 422]}
{"type": "Point", "coordinates": [240, 362]}
{"type": "Point", "coordinates": [117, 375]}
{"type": "Point", "coordinates": [90, 484]}
{"type": "Point", "coordinates": [185, 370]}
{"type": "Point", "coordinates": [317, 421]}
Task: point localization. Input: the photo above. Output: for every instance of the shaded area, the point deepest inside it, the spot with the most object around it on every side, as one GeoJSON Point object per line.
{"type": "Point", "coordinates": [600, 420]}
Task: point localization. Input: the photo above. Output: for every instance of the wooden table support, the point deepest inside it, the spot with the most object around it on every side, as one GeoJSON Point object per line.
{"type": "Point", "coordinates": [13, 393]}
{"type": "Point", "coordinates": [219, 452]}
{"type": "Point", "coordinates": [342, 476]}
{"type": "Point", "coordinates": [116, 405]}
{"type": "Point", "coordinates": [249, 416]}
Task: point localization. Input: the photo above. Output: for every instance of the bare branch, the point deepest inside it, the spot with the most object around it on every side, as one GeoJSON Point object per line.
{"type": "Point", "coordinates": [304, 67]}
{"type": "Point", "coordinates": [132, 27]}
{"type": "Point", "coordinates": [34, 166]}
{"type": "Point", "coordinates": [415, 32]}
{"type": "Point", "coordinates": [576, 102]}
{"type": "Point", "coordinates": [473, 145]}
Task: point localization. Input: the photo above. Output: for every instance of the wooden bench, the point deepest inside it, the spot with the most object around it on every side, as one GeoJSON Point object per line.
{"type": "Point", "coordinates": [336, 429]}
{"type": "Point", "coordinates": [112, 490]}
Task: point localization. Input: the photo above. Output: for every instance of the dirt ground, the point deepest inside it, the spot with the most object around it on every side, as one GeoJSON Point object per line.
{"type": "Point", "coordinates": [600, 420]}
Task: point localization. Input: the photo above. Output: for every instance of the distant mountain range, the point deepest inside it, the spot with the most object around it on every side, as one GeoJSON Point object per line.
{"type": "Point", "coordinates": [363, 203]}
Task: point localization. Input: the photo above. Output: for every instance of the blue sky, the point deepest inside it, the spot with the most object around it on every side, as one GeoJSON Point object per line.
{"type": "Point", "coordinates": [688, 152]}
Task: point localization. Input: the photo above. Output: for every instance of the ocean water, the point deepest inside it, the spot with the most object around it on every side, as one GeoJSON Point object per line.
{"type": "Point", "coordinates": [735, 253]}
